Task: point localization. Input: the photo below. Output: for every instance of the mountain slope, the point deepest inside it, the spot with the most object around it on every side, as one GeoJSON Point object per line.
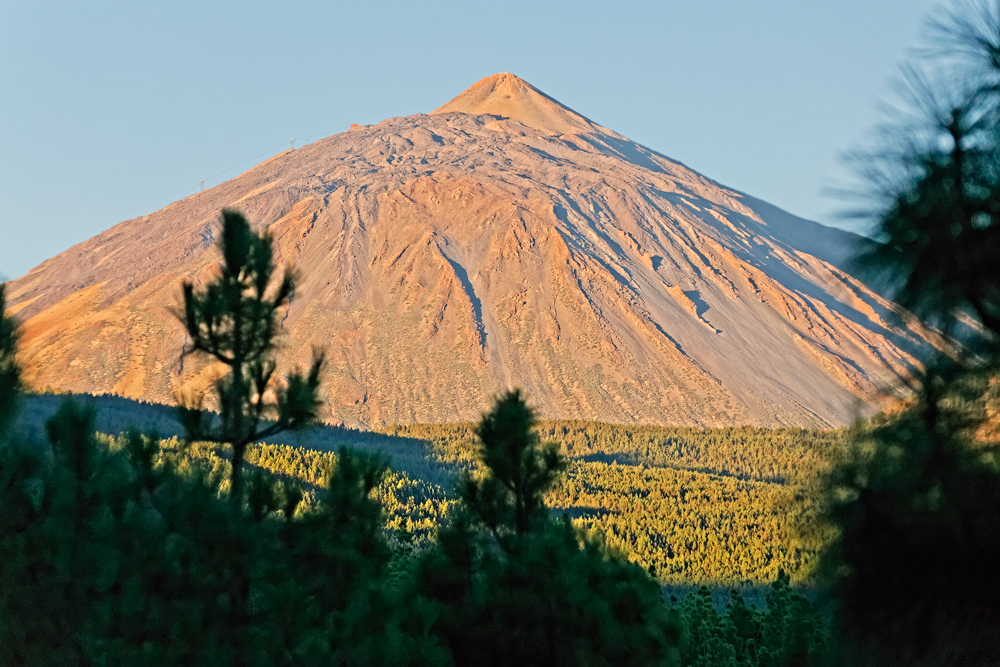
{"type": "Point", "coordinates": [503, 240]}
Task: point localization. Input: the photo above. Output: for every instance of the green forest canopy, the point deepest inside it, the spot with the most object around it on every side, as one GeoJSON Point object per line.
{"type": "Point", "coordinates": [718, 506]}
{"type": "Point", "coordinates": [713, 506]}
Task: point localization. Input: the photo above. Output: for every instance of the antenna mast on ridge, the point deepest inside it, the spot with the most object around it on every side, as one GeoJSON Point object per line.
{"type": "Point", "coordinates": [293, 144]}
{"type": "Point", "coordinates": [202, 184]}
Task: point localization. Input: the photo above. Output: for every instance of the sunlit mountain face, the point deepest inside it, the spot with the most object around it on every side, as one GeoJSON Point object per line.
{"type": "Point", "coordinates": [503, 240]}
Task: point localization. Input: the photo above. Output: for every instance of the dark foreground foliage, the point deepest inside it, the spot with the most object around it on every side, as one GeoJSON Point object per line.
{"type": "Point", "coordinates": [515, 587]}
{"type": "Point", "coordinates": [128, 552]}
{"type": "Point", "coordinates": [788, 631]}
{"type": "Point", "coordinates": [916, 505]}
{"type": "Point", "coordinates": [916, 502]}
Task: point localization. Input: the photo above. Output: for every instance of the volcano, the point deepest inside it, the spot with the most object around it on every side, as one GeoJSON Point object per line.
{"type": "Point", "coordinates": [503, 240]}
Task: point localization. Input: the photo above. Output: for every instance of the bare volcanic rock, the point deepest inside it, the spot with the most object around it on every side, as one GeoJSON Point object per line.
{"type": "Point", "coordinates": [503, 240]}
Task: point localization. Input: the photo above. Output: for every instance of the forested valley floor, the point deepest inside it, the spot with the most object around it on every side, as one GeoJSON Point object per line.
{"type": "Point", "coordinates": [721, 507]}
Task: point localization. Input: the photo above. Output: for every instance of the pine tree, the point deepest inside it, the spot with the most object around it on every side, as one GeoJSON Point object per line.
{"type": "Point", "coordinates": [510, 499]}
{"type": "Point", "coordinates": [916, 503]}
{"type": "Point", "coordinates": [10, 372]}
{"type": "Point", "coordinates": [515, 587]}
{"type": "Point", "coordinates": [936, 179]}
{"type": "Point", "coordinates": [235, 320]}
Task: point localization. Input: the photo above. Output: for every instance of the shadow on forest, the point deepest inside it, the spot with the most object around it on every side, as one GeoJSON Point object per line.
{"type": "Point", "coordinates": [116, 415]}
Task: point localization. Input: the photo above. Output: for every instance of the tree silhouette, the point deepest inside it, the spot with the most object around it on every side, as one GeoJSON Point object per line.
{"type": "Point", "coordinates": [935, 175]}
{"type": "Point", "coordinates": [235, 321]}
{"type": "Point", "coordinates": [10, 372]}
{"type": "Point", "coordinates": [510, 499]}
{"type": "Point", "coordinates": [916, 502]}
{"type": "Point", "coordinates": [515, 587]}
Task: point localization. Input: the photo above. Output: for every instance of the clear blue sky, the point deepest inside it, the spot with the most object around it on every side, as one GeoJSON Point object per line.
{"type": "Point", "coordinates": [111, 110]}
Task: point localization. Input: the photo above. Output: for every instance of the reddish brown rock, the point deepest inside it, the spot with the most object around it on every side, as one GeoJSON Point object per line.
{"type": "Point", "coordinates": [503, 240]}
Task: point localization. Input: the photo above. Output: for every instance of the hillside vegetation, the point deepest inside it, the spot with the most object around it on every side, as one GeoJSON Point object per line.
{"type": "Point", "coordinates": [715, 506]}
{"type": "Point", "coordinates": [721, 506]}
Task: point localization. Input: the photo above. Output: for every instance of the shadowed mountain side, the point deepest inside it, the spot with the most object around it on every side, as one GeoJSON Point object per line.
{"type": "Point", "coordinates": [446, 257]}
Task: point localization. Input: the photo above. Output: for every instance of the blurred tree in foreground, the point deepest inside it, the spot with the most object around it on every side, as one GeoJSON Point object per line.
{"type": "Point", "coordinates": [124, 553]}
{"type": "Point", "coordinates": [917, 502]}
{"type": "Point", "coordinates": [9, 371]}
{"type": "Point", "coordinates": [934, 175]}
{"type": "Point", "coordinates": [515, 587]}
{"type": "Point", "coordinates": [235, 321]}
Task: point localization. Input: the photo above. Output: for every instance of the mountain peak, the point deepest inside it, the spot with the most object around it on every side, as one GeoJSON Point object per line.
{"type": "Point", "coordinates": [514, 98]}
{"type": "Point", "coordinates": [446, 258]}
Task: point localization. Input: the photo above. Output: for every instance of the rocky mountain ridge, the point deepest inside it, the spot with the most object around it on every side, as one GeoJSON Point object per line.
{"type": "Point", "coordinates": [502, 240]}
